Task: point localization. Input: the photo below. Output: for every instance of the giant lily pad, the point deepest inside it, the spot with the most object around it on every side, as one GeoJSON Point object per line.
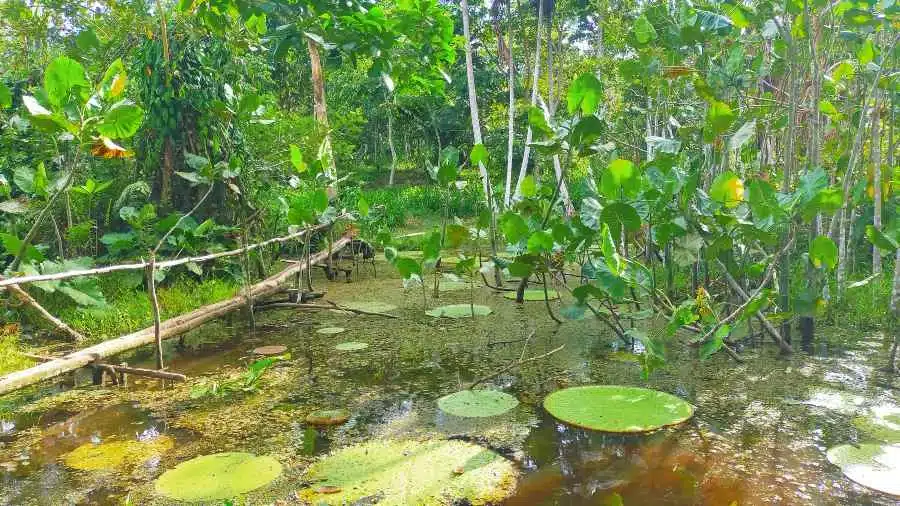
{"type": "Point", "coordinates": [411, 472]}
{"type": "Point", "coordinates": [534, 294]}
{"type": "Point", "coordinates": [351, 346]}
{"type": "Point", "coordinates": [330, 330]}
{"type": "Point", "coordinates": [612, 408]}
{"type": "Point", "coordinates": [871, 465]}
{"type": "Point", "coordinates": [116, 454]}
{"type": "Point", "coordinates": [458, 311]}
{"type": "Point", "coordinates": [477, 403]}
{"type": "Point", "coordinates": [218, 476]}
{"type": "Point", "coordinates": [371, 306]}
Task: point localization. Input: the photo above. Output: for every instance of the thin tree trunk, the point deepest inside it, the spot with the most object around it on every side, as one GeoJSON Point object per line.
{"type": "Point", "coordinates": [534, 94]}
{"type": "Point", "coordinates": [320, 107]}
{"type": "Point", "coordinates": [876, 180]}
{"type": "Point", "coordinates": [552, 102]}
{"type": "Point", "coordinates": [511, 83]}
{"type": "Point", "coordinates": [473, 101]}
{"type": "Point", "coordinates": [390, 133]}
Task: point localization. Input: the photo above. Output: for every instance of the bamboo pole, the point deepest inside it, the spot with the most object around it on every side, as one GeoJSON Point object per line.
{"type": "Point", "coordinates": [21, 280]}
{"type": "Point", "coordinates": [168, 329]}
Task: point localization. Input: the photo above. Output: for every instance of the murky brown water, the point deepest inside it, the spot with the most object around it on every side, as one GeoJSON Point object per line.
{"type": "Point", "coordinates": [754, 440]}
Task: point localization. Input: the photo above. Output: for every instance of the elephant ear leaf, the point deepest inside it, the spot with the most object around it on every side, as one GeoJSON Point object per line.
{"type": "Point", "coordinates": [823, 252]}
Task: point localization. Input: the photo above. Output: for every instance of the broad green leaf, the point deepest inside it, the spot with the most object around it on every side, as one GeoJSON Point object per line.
{"type": "Point", "coordinates": [23, 177]}
{"type": "Point", "coordinates": [823, 252]}
{"type": "Point", "coordinates": [431, 246]}
{"type": "Point", "coordinates": [297, 159]}
{"type": "Point", "coordinates": [643, 30]}
{"type": "Point", "coordinates": [619, 174]}
{"type": "Point", "coordinates": [479, 155]}
{"type": "Point", "coordinates": [5, 96]}
{"type": "Point", "coordinates": [540, 242]}
{"type": "Point", "coordinates": [528, 187]}
{"type": "Point", "coordinates": [40, 181]}
{"type": "Point", "coordinates": [866, 53]}
{"type": "Point", "coordinates": [33, 107]}
{"type": "Point", "coordinates": [584, 93]}
{"type": "Point", "coordinates": [121, 121]}
{"type": "Point", "coordinates": [13, 245]}
{"type": "Point", "coordinates": [61, 77]}
{"type": "Point", "coordinates": [538, 122]}
{"type": "Point", "coordinates": [407, 267]}
{"type": "Point", "coordinates": [827, 108]}
{"type": "Point", "coordinates": [362, 205]}
{"type": "Point", "coordinates": [727, 189]}
{"type": "Point", "coordinates": [610, 254]}
{"type": "Point", "coordinates": [714, 343]}
{"type": "Point", "coordinates": [586, 131]}
{"type": "Point", "coordinates": [619, 215]}
{"type": "Point", "coordinates": [319, 200]}
{"type": "Point", "coordinates": [513, 226]}
{"type": "Point", "coordinates": [881, 240]}
{"type": "Point", "coordinates": [719, 117]}
{"type": "Point", "coordinates": [456, 235]}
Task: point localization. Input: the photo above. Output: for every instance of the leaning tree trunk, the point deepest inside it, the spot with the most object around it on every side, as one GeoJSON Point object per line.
{"type": "Point", "coordinates": [557, 167]}
{"type": "Point", "coordinates": [536, 72]}
{"type": "Point", "coordinates": [320, 107]}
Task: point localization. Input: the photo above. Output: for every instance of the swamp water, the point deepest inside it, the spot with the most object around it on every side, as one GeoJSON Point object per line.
{"type": "Point", "coordinates": [759, 434]}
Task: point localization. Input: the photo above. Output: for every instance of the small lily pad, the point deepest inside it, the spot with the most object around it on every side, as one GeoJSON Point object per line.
{"type": "Point", "coordinates": [371, 306]}
{"type": "Point", "coordinates": [534, 294]}
{"type": "Point", "coordinates": [274, 349]}
{"type": "Point", "coordinates": [621, 409]}
{"type": "Point", "coordinates": [458, 311]}
{"type": "Point", "coordinates": [328, 417]}
{"type": "Point", "coordinates": [331, 330]}
{"type": "Point", "coordinates": [399, 473]}
{"type": "Point", "coordinates": [351, 346]}
{"type": "Point", "coordinates": [218, 476]}
{"type": "Point", "coordinates": [871, 465]}
{"type": "Point", "coordinates": [477, 403]}
{"type": "Point", "coordinates": [116, 454]}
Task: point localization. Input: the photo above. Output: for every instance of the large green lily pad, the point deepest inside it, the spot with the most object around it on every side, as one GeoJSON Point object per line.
{"type": "Point", "coordinates": [458, 311]}
{"type": "Point", "coordinates": [218, 476]}
{"type": "Point", "coordinates": [871, 465]}
{"type": "Point", "coordinates": [351, 346]}
{"type": "Point", "coordinates": [477, 403]}
{"type": "Point", "coordinates": [411, 472]}
{"type": "Point", "coordinates": [330, 330]}
{"type": "Point", "coordinates": [613, 408]}
{"type": "Point", "coordinates": [534, 294]}
{"type": "Point", "coordinates": [114, 455]}
{"type": "Point", "coordinates": [371, 306]}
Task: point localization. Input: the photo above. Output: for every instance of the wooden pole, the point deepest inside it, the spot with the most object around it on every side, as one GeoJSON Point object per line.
{"type": "Point", "coordinates": [167, 329]}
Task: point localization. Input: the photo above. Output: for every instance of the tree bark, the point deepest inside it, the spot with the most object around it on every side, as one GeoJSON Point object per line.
{"type": "Point", "coordinates": [390, 133]}
{"type": "Point", "coordinates": [535, 73]}
{"type": "Point", "coordinates": [876, 180]}
{"type": "Point", "coordinates": [320, 107]}
{"type": "Point", "coordinates": [473, 101]}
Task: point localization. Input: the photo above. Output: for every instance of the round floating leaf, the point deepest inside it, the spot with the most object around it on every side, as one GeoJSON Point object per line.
{"type": "Point", "coordinates": [351, 346]}
{"type": "Point", "coordinates": [458, 311]}
{"type": "Point", "coordinates": [274, 349]}
{"type": "Point", "coordinates": [612, 408]}
{"type": "Point", "coordinates": [331, 330]}
{"type": "Point", "coordinates": [218, 476]}
{"type": "Point", "coordinates": [399, 473]}
{"type": "Point", "coordinates": [328, 417]}
{"type": "Point", "coordinates": [371, 306]}
{"type": "Point", "coordinates": [477, 403]}
{"type": "Point", "coordinates": [533, 294]}
{"type": "Point", "coordinates": [116, 454]}
{"type": "Point", "coordinates": [882, 423]}
{"type": "Point", "coordinates": [871, 465]}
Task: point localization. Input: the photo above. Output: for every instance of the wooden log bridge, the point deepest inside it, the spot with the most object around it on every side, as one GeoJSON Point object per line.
{"type": "Point", "coordinates": [168, 329]}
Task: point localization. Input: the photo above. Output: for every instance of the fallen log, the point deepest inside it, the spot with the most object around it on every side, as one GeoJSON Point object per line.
{"type": "Point", "coordinates": [168, 329]}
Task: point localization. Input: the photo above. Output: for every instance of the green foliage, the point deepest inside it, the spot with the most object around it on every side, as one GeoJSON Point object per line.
{"type": "Point", "coordinates": [218, 476]}
{"type": "Point", "coordinates": [620, 409]}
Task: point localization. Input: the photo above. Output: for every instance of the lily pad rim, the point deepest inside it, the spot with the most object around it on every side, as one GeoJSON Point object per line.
{"type": "Point", "coordinates": [593, 429]}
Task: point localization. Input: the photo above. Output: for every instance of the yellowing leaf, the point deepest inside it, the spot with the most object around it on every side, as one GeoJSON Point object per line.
{"type": "Point", "coordinates": [118, 85]}
{"type": "Point", "coordinates": [104, 147]}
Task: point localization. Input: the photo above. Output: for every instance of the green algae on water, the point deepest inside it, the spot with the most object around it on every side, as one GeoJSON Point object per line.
{"type": "Point", "coordinates": [621, 409]}
{"type": "Point", "coordinates": [477, 403]}
{"type": "Point", "coordinates": [395, 473]}
{"type": "Point", "coordinates": [533, 294]}
{"type": "Point", "coordinates": [459, 311]}
{"type": "Point", "coordinates": [218, 476]}
{"type": "Point", "coordinates": [114, 455]}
